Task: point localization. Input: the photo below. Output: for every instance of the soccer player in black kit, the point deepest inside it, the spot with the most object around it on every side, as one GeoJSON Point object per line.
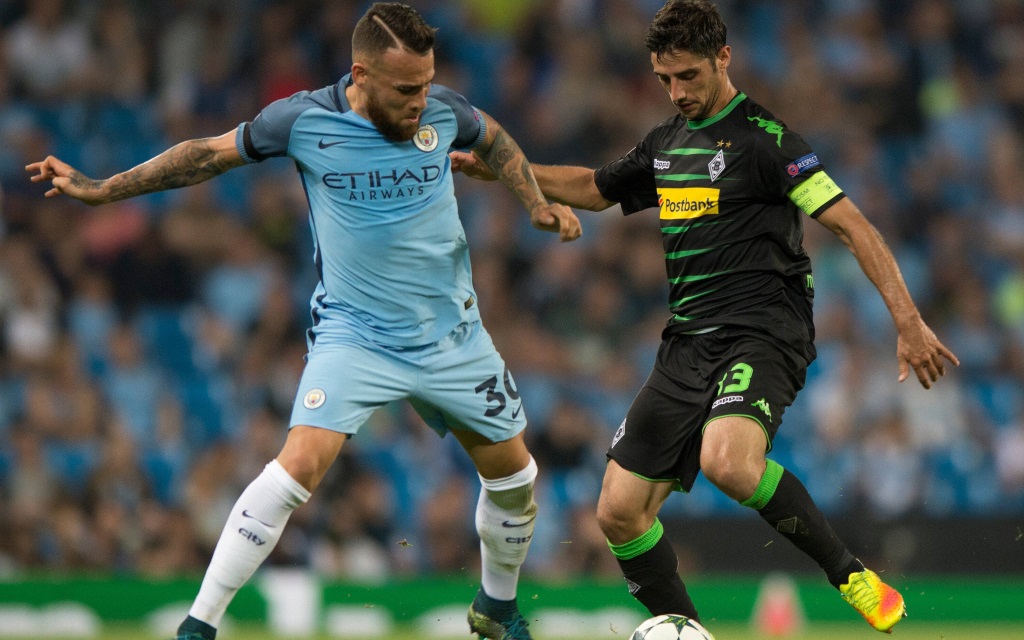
{"type": "Point", "coordinates": [733, 185]}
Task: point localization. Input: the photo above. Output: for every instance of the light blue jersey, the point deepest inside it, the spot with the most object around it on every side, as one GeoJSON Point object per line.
{"type": "Point", "coordinates": [390, 248]}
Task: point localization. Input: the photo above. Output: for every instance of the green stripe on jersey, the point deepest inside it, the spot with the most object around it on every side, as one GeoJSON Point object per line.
{"type": "Point", "coordinates": [704, 276]}
{"type": "Point", "coordinates": [687, 253]}
{"type": "Point", "coordinates": [694, 225]}
{"type": "Point", "coordinates": [687, 177]}
{"type": "Point", "coordinates": [682, 301]}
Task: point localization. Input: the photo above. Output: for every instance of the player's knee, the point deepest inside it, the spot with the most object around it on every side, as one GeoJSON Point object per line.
{"type": "Point", "coordinates": [308, 453]}
{"type": "Point", "coordinates": [619, 525]}
{"type": "Point", "coordinates": [735, 476]}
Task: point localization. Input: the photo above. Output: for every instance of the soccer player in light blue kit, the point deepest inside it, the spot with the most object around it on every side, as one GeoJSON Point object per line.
{"type": "Point", "coordinates": [394, 314]}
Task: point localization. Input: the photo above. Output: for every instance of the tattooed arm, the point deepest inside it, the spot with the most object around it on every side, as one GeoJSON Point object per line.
{"type": "Point", "coordinates": [506, 160]}
{"type": "Point", "coordinates": [184, 164]}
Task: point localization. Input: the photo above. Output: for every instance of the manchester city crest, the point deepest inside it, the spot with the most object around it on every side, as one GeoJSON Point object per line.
{"type": "Point", "coordinates": [426, 138]}
{"type": "Point", "coordinates": [314, 399]}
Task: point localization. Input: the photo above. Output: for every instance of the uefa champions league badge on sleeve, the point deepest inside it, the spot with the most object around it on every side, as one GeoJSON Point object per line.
{"type": "Point", "coordinates": [314, 399]}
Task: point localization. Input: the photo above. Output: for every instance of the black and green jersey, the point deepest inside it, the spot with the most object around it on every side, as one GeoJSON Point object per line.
{"type": "Point", "coordinates": [732, 191]}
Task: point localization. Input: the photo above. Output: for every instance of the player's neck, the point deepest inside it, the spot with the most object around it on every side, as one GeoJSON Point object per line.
{"type": "Point", "coordinates": [727, 95]}
{"type": "Point", "coordinates": [356, 100]}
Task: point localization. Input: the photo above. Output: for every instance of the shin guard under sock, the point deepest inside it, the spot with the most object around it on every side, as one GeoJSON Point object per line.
{"type": "Point", "coordinates": [650, 567]}
{"type": "Point", "coordinates": [783, 502]}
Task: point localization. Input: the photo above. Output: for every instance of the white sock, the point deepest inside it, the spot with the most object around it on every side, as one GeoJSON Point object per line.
{"type": "Point", "coordinates": [250, 534]}
{"type": "Point", "coordinates": [505, 515]}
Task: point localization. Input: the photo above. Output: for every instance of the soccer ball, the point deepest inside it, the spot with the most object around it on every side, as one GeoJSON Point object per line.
{"type": "Point", "coordinates": [671, 627]}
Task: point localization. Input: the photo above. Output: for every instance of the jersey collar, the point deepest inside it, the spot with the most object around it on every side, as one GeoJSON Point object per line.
{"type": "Point", "coordinates": [339, 93]}
{"type": "Point", "coordinates": [700, 124]}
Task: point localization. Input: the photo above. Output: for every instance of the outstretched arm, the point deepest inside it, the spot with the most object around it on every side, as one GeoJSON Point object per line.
{"type": "Point", "coordinates": [917, 347]}
{"type": "Point", "coordinates": [505, 161]}
{"type": "Point", "coordinates": [572, 186]}
{"type": "Point", "coordinates": [184, 164]}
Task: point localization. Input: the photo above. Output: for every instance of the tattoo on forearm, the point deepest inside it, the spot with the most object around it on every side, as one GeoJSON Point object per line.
{"type": "Point", "coordinates": [80, 181]}
{"type": "Point", "coordinates": [507, 161]}
{"type": "Point", "coordinates": [184, 164]}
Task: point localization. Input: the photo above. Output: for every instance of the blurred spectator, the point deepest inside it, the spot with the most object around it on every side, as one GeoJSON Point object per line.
{"type": "Point", "coordinates": [48, 52]}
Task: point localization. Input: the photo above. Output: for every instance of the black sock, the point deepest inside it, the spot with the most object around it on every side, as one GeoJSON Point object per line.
{"type": "Point", "coordinates": [792, 512]}
{"type": "Point", "coordinates": [493, 608]}
{"type": "Point", "coordinates": [193, 625]}
{"type": "Point", "coordinates": [652, 574]}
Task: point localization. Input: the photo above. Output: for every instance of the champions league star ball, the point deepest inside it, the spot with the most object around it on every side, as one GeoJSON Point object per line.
{"type": "Point", "coordinates": [671, 627]}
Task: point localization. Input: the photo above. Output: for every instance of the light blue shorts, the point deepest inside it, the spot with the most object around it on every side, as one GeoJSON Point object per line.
{"type": "Point", "coordinates": [460, 382]}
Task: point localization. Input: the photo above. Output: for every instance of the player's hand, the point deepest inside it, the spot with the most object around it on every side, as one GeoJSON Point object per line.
{"type": "Point", "coordinates": [559, 218]}
{"type": "Point", "coordinates": [918, 348]}
{"type": "Point", "coordinates": [471, 165]}
{"type": "Point", "coordinates": [67, 180]}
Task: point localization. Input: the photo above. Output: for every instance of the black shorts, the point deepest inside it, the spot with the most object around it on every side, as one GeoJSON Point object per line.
{"type": "Point", "coordinates": [698, 379]}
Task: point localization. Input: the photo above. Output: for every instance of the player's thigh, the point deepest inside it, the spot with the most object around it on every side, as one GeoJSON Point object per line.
{"type": "Point", "coordinates": [660, 438]}
{"type": "Point", "coordinates": [343, 384]}
{"type": "Point", "coordinates": [466, 386]}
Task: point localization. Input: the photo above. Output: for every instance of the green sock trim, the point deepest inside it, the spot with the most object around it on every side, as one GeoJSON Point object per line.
{"type": "Point", "coordinates": [766, 488]}
{"type": "Point", "coordinates": [643, 544]}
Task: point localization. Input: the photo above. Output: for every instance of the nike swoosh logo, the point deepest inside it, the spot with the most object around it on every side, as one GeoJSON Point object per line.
{"type": "Point", "coordinates": [509, 525]}
{"type": "Point", "coordinates": [324, 145]}
{"type": "Point", "coordinates": [515, 412]}
{"type": "Point", "coordinates": [245, 514]}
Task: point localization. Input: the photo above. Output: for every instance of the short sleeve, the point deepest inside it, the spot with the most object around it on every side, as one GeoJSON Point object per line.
{"type": "Point", "coordinates": [469, 122]}
{"type": "Point", "coordinates": [787, 166]}
{"type": "Point", "coordinates": [630, 179]}
{"type": "Point", "coordinates": [268, 135]}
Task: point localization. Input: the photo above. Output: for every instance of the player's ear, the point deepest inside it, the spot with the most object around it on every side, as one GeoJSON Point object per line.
{"type": "Point", "coordinates": [723, 57]}
{"type": "Point", "coordinates": [359, 73]}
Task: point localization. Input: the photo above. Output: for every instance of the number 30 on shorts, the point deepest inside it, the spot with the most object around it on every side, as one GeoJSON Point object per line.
{"type": "Point", "coordinates": [490, 385]}
{"type": "Point", "coordinates": [740, 379]}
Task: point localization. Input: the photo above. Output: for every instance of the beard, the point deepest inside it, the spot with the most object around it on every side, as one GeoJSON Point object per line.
{"type": "Point", "coordinates": [395, 131]}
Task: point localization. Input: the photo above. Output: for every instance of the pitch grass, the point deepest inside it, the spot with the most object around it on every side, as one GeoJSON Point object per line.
{"type": "Point", "coordinates": [907, 630]}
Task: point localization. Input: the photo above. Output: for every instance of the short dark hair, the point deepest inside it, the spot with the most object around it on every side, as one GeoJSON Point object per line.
{"type": "Point", "coordinates": [389, 25]}
{"type": "Point", "coordinates": [686, 25]}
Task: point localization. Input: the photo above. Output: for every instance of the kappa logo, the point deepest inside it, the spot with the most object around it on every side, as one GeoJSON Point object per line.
{"type": "Point", "coordinates": [726, 400]}
{"type": "Point", "coordinates": [770, 127]}
{"type": "Point", "coordinates": [662, 164]}
{"type": "Point", "coordinates": [426, 138]}
{"type": "Point", "coordinates": [762, 404]}
{"type": "Point", "coordinates": [314, 399]}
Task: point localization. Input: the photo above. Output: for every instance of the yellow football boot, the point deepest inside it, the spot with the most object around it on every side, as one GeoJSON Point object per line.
{"type": "Point", "coordinates": [881, 605]}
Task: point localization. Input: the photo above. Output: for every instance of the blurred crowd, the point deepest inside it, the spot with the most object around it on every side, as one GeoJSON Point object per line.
{"type": "Point", "coordinates": [150, 349]}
